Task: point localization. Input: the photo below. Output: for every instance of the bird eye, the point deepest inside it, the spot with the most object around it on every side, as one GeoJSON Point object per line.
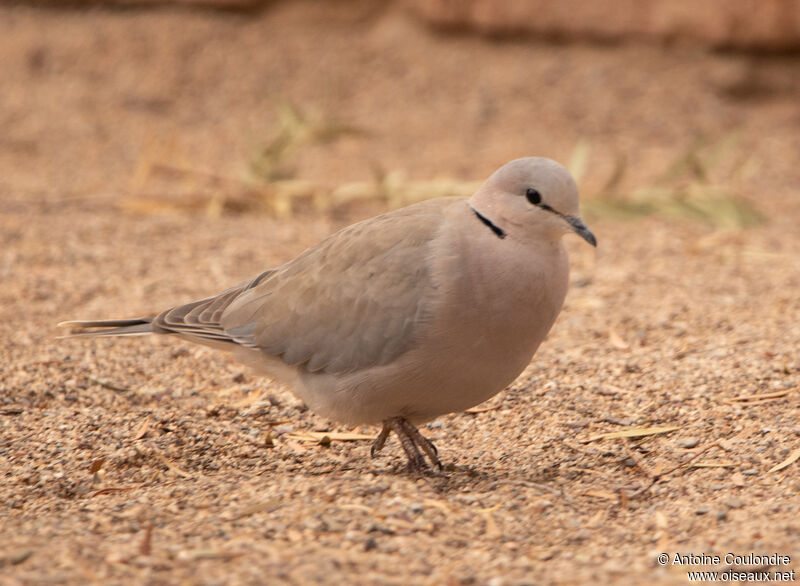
{"type": "Point", "coordinates": [533, 196]}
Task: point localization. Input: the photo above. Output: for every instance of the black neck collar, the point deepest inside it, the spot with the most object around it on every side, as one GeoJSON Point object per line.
{"type": "Point", "coordinates": [499, 232]}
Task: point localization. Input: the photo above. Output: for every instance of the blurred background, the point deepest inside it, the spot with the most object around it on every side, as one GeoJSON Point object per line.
{"type": "Point", "coordinates": [241, 105]}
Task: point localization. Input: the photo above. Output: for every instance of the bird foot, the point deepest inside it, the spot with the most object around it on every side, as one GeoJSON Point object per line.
{"type": "Point", "coordinates": [414, 444]}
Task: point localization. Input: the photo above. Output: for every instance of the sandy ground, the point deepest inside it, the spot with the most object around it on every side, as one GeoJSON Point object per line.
{"type": "Point", "coordinates": [151, 461]}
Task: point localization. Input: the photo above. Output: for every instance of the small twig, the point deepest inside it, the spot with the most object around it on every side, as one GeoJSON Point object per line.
{"type": "Point", "coordinates": [164, 460]}
{"type": "Point", "coordinates": [759, 402]}
{"type": "Point", "coordinates": [10, 441]}
{"type": "Point", "coordinates": [687, 462]}
{"type": "Point", "coordinates": [13, 409]}
{"type": "Point", "coordinates": [793, 457]}
{"type": "Point", "coordinates": [760, 398]}
{"type": "Point", "coordinates": [146, 547]}
{"type": "Point", "coordinates": [591, 471]}
{"type": "Point", "coordinates": [660, 476]}
{"type": "Point", "coordinates": [581, 449]}
{"type": "Point", "coordinates": [111, 490]}
{"type": "Point", "coordinates": [638, 460]}
{"type": "Point", "coordinates": [475, 410]}
{"type": "Point", "coordinates": [108, 386]}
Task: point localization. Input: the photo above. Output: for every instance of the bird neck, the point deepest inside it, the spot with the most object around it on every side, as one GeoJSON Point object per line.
{"type": "Point", "coordinates": [496, 230]}
{"type": "Point", "coordinates": [486, 213]}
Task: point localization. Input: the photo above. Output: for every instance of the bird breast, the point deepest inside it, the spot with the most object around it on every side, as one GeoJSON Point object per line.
{"type": "Point", "coordinates": [500, 294]}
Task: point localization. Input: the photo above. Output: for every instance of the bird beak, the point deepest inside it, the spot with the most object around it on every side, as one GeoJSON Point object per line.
{"type": "Point", "coordinates": [581, 230]}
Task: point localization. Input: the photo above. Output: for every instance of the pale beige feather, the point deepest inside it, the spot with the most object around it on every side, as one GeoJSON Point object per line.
{"type": "Point", "coordinates": [353, 301]}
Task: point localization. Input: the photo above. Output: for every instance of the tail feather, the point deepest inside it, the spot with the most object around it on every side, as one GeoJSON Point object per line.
{"type": "Point", "coordinates": [198, 321]}
{"type": "Point", "coordinates": [108, 327]}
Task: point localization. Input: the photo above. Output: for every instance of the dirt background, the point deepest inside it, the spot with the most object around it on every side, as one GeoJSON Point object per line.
{"type": "Point", "coordinates": [150, 461]}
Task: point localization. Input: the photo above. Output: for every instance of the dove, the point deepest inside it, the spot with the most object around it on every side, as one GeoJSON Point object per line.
{"type": "Point", "coordinates": [401, 318]}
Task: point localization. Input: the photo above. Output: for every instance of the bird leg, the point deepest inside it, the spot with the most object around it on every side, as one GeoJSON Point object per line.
{"type": "Point", "coordinates": [380, 441]}
{"type": "Point", "coordinates": [411, 440]}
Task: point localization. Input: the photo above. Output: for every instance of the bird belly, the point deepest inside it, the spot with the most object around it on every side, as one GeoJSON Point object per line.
{"type": "Point", "coordinates": [460, 364]}
{"type": "Point", "coordinates": [418, 387]}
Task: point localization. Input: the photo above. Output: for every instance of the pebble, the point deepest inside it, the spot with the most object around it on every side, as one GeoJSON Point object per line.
{"type": "Point", "coordinates": [377, 528]}
{"type": "Point", "coordinates": [688, 442]}
{"type": "Point", "coordinates": [15, 556]}
{"type": "Point", "coordinates": [734, 503]}
{"type": "Point", "coordinates": [579, 536]}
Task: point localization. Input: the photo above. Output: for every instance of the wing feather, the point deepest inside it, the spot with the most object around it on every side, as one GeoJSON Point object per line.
{"type": "Point", "coordinates": [200, 319]}
{"type": "Point", "coordinates": [357, 299]}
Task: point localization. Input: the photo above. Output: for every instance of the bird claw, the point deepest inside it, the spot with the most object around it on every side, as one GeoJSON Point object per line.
{"type": "Point", "coordinates": [380, 441]}
{"type": "Point", "coordinates": [413, 442]}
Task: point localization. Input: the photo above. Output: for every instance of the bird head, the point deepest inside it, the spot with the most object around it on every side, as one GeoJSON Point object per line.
{"type": "Point", "coordinates": [531, 198]}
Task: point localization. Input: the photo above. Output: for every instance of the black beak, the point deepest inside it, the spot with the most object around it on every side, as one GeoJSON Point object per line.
{"type": "Point", "coordinates": [581, 230]}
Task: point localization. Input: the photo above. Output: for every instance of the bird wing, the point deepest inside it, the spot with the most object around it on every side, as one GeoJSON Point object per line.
{"type": "Point", "coordinates": [354, 300]}
{"type": "Point", "coordinates": [200, 320]}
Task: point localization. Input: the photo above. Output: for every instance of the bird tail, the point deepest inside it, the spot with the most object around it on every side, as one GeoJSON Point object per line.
{"type": "Point", "coordinates": [108, 327]}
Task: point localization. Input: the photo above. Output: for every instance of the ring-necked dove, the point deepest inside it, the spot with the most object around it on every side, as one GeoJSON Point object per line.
{"type": "Point", "coordinates": [406, 316]}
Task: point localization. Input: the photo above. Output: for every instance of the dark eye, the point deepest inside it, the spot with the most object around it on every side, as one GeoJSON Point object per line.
{"type": "Point", "coordinates": [533, 196]}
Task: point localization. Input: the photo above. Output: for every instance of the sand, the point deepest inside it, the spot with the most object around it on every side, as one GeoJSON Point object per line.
{"type": "Point", "coordinates": [152, 461]}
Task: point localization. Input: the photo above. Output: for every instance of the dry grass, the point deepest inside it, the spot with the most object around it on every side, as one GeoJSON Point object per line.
{"type": "Point", "coordinates": [684, 190]}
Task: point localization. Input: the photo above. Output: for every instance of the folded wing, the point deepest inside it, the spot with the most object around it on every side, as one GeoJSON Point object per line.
{"type": "Point", "coordinates": [357, 299]}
